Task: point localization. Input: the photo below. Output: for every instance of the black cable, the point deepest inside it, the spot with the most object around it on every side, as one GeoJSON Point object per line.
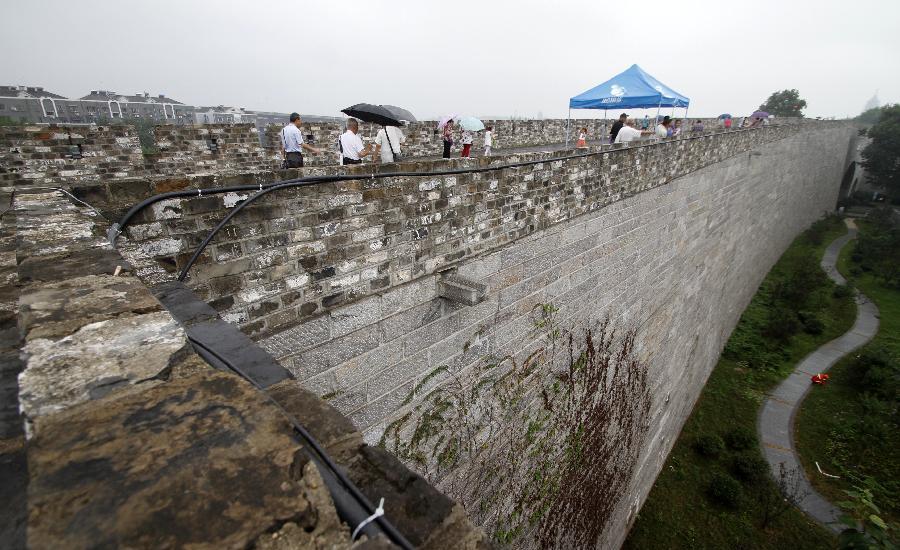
{"type": "Point", "coordinates": [386, 526]}
{"type": "Point", "coordinates": [116, 229]}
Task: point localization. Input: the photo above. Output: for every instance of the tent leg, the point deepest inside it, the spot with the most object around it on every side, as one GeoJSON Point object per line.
{"type": "Point", "coordinates": [568, 118]}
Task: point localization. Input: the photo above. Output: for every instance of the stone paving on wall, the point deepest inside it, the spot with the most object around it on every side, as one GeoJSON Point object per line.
{"type": "Point", "coordinates": [133, 440]}
{"type": "Point", "coordinates": [776, 418]}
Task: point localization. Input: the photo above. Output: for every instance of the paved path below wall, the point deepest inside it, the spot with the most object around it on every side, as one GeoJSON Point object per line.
{"type": "Point", "coordinates": [776, 420]}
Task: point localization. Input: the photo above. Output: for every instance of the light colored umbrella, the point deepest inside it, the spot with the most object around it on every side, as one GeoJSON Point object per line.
{"type": "Point", "coordinates": [471, 123]}
{"type": "Point", "coordinates": [444, 120]}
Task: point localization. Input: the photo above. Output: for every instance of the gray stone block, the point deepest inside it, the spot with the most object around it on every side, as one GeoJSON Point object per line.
{"type": "Point", "coordinates": [336, 351]}
{"type": "Point", "coordinates": [346, 319]}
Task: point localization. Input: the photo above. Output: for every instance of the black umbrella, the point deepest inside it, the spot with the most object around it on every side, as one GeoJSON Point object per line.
{"type": "Point", "coordinates": [376, 114]}
{"type": "Point", "coordinates": [400, 113]}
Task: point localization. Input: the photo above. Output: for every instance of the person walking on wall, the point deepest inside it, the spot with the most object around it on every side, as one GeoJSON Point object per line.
{"type": "Point", "coordinates": [352, 148]}
{"type": "Point", "coordinates": [676, 128]}
{"type": "Point", "coordinates": [662, 129]}
{"type": "Point", "coordinates": [448, 138]}
{"type": "Point", "coordinates": [582, 139]}
{"type": "Point", "coordinates": [728, 123]}
{"type": "Point", "coordinates": [488, 140]}
{"type": "Point", "coordinates": [388, 142]}
{"type": "Point", "coordinates": [616, 127]}
{"type": "Point", "coordinates": [466, 143]}
{"type": "Point", "coordinates": [697, 127]}
{"type": "Point", "coordinates": [629, 132]}
{"type": "Point", "coordinates": [645, 124]}
{"type": "Point", "coordinates": [292, 144]}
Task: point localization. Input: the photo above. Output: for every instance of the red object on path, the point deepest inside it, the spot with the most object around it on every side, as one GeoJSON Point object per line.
{"type": "Point", "coordinates": [466, 148]}
{"type": "Point", "coordinates": [819, 379]}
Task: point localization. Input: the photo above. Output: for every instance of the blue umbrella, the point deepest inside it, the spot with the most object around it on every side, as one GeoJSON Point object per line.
{"type": "Point", "coordinates": [471, 123]}
{"type": "Point", "coordinates": [724, 116]}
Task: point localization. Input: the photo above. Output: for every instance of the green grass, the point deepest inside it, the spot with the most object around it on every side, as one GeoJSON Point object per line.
{"type": "Point", "coordinates": [837, 425]}
{"type": "Point", "coordinates": [678, 512]}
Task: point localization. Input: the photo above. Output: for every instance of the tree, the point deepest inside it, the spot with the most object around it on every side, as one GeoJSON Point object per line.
{"type": "Point", "coordinates": [881, 158]}
{"type": "Point", "coordinates": [870, 116]}
{"type": "Point", "coordinates": [784, 103]}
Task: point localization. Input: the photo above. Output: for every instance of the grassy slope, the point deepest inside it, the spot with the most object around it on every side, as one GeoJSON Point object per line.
{"type": "Point", "coordinates": [678, 514]}
{"type": "Point", "coordinates": [833, 414]}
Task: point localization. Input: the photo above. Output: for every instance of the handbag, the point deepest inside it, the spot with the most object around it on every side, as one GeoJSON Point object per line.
{"type": "Point", "coordinates": [397, 157]}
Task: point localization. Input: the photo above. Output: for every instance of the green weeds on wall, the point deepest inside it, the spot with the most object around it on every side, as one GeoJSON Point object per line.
{"type": "Point", "coordinates": [539, 451]}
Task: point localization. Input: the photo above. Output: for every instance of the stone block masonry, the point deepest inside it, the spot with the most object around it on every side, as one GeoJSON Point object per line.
{"type": "Point", "coordinates": [299, 253]}
{"type": "Point", "coordinates": [423, 139]}
{"type": "Point", "coordinates": [133, 440]}
{"type": "Point", "coordinates": [340, 281]}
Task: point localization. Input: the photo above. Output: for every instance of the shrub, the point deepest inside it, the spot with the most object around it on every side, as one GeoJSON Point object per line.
{"type": "Point", "coordinates": [740, 439]}
{"type": "Point", "coordinates": [709, 445]}
{"type": "Point", "coordinates": [816, 232]}
{"type": "Point", "coordinates": [875, 370]}
{"type": "Point", "coordinates": [842, 291]}
{"type": "Point", "coordinates": [781, 324]}
{"type": "Point", "coordinates": [749, 467]}
{"type": "Point", "coordinates": [725, 490]}
{"type": "Point", "coordinates": [812, 323]}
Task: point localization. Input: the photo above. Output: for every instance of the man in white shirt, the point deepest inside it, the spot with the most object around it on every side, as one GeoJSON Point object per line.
{"type": "Point", "coordinates": [662, 129]}
{"type": "Point", "coordinates": [629, 132]}
{"type": "Point", "coordinates": [292, 143]}
{"type": "Point", "coordinates": [387, 142]}
{"type": "Point", "coordinates": [352, 148]}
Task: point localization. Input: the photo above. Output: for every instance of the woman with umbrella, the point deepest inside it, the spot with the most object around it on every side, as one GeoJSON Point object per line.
{"type": "Point", "coordinates": [469, 124]}
{"type": "Point", "coordinates": [446, 125]}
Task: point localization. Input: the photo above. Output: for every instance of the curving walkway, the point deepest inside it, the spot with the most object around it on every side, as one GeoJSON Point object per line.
{"type": "Point", "coordinates": [776, 419]}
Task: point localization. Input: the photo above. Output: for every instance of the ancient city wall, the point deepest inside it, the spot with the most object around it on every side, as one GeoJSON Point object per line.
{"type": "Point", "coordinates": [124, 436]}
{"type": "Point", "coordinates": [341, 281]}
{"type": "Point", "coordinates": [52, 155]}
{"type": "Point", "coordinates": [298, 253]}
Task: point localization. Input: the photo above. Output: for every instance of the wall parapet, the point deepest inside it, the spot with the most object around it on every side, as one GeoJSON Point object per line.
{"type": "Point", "coordinates": [299, 253]}
{"type": "Point", "coordinates": [119, 408]}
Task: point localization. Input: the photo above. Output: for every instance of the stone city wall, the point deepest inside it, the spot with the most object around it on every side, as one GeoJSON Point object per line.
{"type": "Point", "coordinates": [53, 155]}
{"type": "Point", "coordinates": [423, 139]}
{"type": "Point", "coordinates": [340, 281]}
{"type": "Point", "coordinates": [297, 253]}
{"type": "Point", "coordinates": [42, 154]}
{"type": "Point", "coordinates": [133, 439]}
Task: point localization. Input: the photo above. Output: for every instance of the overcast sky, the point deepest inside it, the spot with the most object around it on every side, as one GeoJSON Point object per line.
{"type": "Point", "coordinates": [485, 57]}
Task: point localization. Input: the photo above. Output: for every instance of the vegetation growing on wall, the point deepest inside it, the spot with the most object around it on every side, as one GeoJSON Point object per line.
{"type": "Point", "coordinates": [539, 452]}
{"type": "Point", "coordinates": [715, 490]}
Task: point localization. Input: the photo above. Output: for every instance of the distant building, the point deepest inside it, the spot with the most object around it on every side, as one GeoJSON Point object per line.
{"type": "Point", "coordinates": [873, 103]}
{"type": "Point", "coordinates": [35, 104]}
{"type": "Point", "coordinates": [223, 115]}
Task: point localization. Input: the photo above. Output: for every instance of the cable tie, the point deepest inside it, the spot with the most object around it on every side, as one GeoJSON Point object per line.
{"type": "Point", "coordinates": [378, 513]}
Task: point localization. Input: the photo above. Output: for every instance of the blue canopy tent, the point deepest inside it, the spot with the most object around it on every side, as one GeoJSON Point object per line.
{"type": "Point", "coordinates": [631, 89]}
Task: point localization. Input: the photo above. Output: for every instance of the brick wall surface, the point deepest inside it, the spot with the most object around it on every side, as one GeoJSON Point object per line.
{"type": "Point", "coordinates": [423, 140]}
{"type": "Point", "coordinates": [339, 281]}
{"type": "Point", "coordinates": [206, 149]}
{"type": "Point", "coordinates": [45, 154]}
{"type": "Point", "coordinates": [42, 154]}
{"type": "Point", "coordinates": [679, 262]}
{"type": "Point", "coordinates": [298, 253]}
